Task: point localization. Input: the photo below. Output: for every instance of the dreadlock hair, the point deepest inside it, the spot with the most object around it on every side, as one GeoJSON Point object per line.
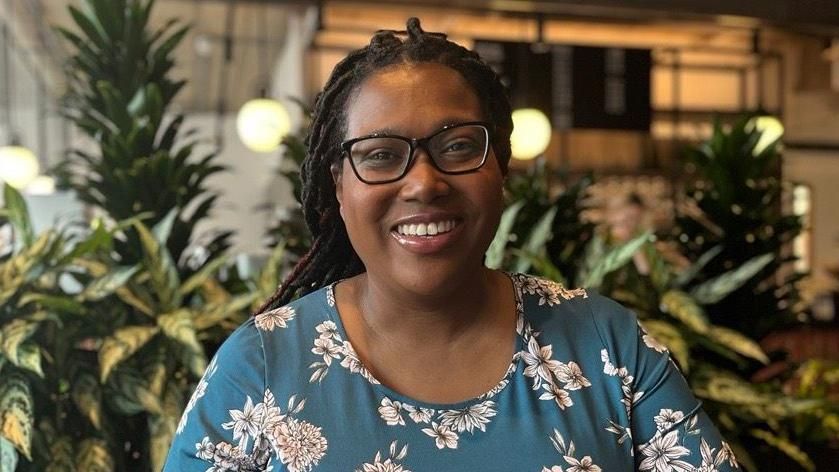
{"type": "Point", "coordinates": [332, 257]}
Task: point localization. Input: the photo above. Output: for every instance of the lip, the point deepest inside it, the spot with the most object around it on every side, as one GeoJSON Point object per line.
{"type": "Point", "coordinates": [427, 244]}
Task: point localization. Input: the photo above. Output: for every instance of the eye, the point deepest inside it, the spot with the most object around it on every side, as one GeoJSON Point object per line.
{"type": "Point", "coordinates": [380, 155]}
{"type": "Point", "coordinates": [461, 145]}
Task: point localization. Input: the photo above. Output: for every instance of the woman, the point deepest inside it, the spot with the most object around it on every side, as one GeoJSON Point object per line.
{"type": "Point", "coordinates": [406, 353]}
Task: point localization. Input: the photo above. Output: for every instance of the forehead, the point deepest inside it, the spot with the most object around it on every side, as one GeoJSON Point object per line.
{"type": "Point", "coordinates": [411, 99]}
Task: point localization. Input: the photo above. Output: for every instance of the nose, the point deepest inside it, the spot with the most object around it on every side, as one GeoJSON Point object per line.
{"type": "Point", "coordinates": [423, 182]}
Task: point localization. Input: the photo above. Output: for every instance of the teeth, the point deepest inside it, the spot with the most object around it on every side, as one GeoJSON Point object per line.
{"type": "Point", "coordinates": [426, 229]}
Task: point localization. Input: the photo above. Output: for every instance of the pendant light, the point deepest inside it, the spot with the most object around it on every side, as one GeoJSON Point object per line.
{"type": "Point", "coordinates": [18, 165]}
{"type": "Point", "coordinates": [263, 122]}
{"type": "Point", "coordinates": [531, 127]}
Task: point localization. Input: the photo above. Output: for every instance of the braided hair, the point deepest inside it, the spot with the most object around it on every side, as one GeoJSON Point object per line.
{"type": "Point", "coordinates": [331, 256]}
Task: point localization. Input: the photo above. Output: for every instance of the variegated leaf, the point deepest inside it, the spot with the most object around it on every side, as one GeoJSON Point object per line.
{"type": "Point", "coordinates": [14, 334]}
{"type": "Point", "coordinates": [87, 396]}
{"type": "Point", "coordinates": [16, 417]}
{"type": "Point", "coordinates": [29, 358]}
{"type": "Point", "coordinates": [61, 455]}
{"type": "Point", "coordinates": [128, 296]}
{"type": "Point", "coordinates": [682, 307]}
{"type": "Point", "coordinates": [214, 314]}
{"type": "Point", "coordinates": [178, 326]}
{"type": "Point", "coordinates": [269, 278]}
{"type": "Point", "coordinates": [786, 446]}
{"type": "Point", "coordinates": [161, 268]}
{"type": "Point", "coordinates": [108, 284]}
{"type": "Point", "coordinates": [536, 240]}
{"type": "Point", "coordinates": [209, 270]}
{"type": "Point", "coordinates": [719, 287]}
{"type": "Point", "coordinates": [121, 345]}
{"type": "Point", "coordinates": [8, 455]}
{"type": "Point", "coordinates": [613, 260]}
{"type": "Point", "coordinates": [18, 214]}
{"type": "Point", "coordinates": [94, 456]}
{"type": "Point", "coordinates": [738, 343]}
{"type": "Point", "coordinates": [52, 302]}
{"type": "Point", "coordinates": [132, 394]}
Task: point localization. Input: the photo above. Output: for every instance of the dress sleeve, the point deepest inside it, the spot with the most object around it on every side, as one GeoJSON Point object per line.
{"type": "Point", "coordinates": [220, 427]}
{"type": "Point", "coordinates": [670, 430]}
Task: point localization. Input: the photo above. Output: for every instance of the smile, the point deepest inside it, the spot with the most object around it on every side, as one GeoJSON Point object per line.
{"type": "Point", "coordinates": [426, 229]}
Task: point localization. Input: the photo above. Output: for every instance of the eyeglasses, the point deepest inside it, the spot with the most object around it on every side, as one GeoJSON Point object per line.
{"type": "Point", "coordinates": [384, 158]}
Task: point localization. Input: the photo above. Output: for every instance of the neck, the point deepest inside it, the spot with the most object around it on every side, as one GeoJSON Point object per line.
{"type": "Point", "coordinates": [392, 313]}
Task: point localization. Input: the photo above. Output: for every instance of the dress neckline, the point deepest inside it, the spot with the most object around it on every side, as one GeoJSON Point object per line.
{"type": "Point", "coordinates": [357, 367]}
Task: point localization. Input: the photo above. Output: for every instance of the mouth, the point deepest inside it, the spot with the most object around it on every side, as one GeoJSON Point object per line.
{"type": "Point", "coordinates": [426, 229]}
{"type": "Point", "coordinates": [427, 237]}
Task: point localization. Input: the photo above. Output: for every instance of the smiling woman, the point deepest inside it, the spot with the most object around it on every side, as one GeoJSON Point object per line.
{"type": "Point", "coordinates": [404, 352]}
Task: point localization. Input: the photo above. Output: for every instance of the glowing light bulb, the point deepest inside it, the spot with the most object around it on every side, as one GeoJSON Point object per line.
{"type": "Point", "coordinates": [262, 123]}
{"type": "Point", "coordinates": [18, 166]}
{"type": "Point", "coordinates": [531, 133]}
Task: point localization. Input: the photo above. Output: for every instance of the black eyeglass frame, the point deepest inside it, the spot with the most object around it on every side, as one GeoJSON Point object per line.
{"type": "Point", "coordinates": [413, 144]}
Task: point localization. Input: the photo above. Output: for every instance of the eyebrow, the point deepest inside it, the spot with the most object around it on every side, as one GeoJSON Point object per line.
{"type": "Point", "coordinates": [439, 125]}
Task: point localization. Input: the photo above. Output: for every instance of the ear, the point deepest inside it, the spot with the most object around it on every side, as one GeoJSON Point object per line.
{"type": "Point", "coordinates": [337, 173]}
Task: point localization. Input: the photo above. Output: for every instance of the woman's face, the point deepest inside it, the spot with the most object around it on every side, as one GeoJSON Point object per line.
{"type": "Point", "coordinates": [415, 101]}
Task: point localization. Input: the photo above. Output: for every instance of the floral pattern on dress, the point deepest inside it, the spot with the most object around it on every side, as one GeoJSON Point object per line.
{"type": "Point", "coordinates": [329, 345]}
{"type": "Point", "coordinates": [630, 397]}
{"type": "Point", "coordinates": [557, 378]}
{"type": "Point", "coordinates": [568, 453]}
{"type": "Point", "coordinates": [389, 464]}
{"type": "Point", "coordinates": [665, 451]}
{"type": "Point", "coordinates": [199, 392]}
{"type": "Point", "coordinates": [276, 318]}
{"type": "Point", "coordinates": [548, 291]}
{"type": "Point", "coordinates": [298, 444]}
{"type": "Point", "coordinates": [650, 341]}
{"type": "Point", "coordinates": [446, 425]}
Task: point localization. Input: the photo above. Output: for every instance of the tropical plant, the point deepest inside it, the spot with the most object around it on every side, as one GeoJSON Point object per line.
{"type": "Point", "coordinates": [734, 202]}
{"type": "Point", "coordinates": [120, 93]}
{"type": "Point", "coordinates": [46, 362]}
{"type": "Point", "coordinates": [671, 306]}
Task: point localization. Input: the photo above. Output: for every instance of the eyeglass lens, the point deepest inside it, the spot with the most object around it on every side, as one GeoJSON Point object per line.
{"type": "Point", "coordinates": [458, 149]}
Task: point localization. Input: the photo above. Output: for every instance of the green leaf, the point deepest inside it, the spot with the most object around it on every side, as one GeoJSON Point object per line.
{"type": "Point", "coordinates": [178, 326]}
{"type": "Point", "coordinates": [161, 268]}
{"type": "Point", "coordinates": [132, 394]}
{"type": "Point", "coordinates": [738, 343]}
{"type": "Point", "coordinates": [99, 238]}
{"type": "Point", "coordinates": [61, 454]}
{"type": "Point", "coordinates": [108, 284]}
{"type": "Point", "coordinates": [682, 307]}
{"type": "Point", "coordinates": [671, 337]}
{"type": "Point", "coordinates": [719, 287]}
{"type": "Point", "coordinates": [94, 456]}
{"type": "Point", "coordinates": [122, 345]}
{"type": "Point", "coordinates": [29, 358]}
{"type": "Point", "coordinates": [725, 388]}
{"type": "Point", "coordinates": [495, 253]}
{"type": "Point", "coordinates": [614, 259]}
{"type": "Point", "coordinates": [206, 272]}
{"type": "Point", "coordinates": [697, 266]}
{"type": "Point", "coordinates": [57, 303]}
{"type": "Point", "coordinates": [163, 229]}
{"type": "Point", "coordinates": [786, 446]}
{"type": "Point", "coordinates": [16, 417]}
{"type": "Point", "coordinates": [14, 334]}
{"type": "Point", "coordinates": [269, 278]}
{"type": "Point", "coordinates": [8, 455]}
{"type": "Point", "coordinates": [162, 430]}
{"type": "Point", "coordinates": [87, 396]}
{"type": "Point", "coordinates": [18, 214]}
{"type": "Point", "coordinates": [128, 296]}
{"type": "Point", "coordinates": [216, 313]}
{"type": "Point", "coordinates": [535, 243]}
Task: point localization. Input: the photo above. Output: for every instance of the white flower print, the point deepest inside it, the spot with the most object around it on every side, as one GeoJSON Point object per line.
{"type": "Point", "coordinates": [298, 444]}
{"type": "Point", "coordinates": [548, 291]}
{"type": "Point", "coordinates": [539, 362]}
{"type": "Point", "coordinates": [562, 398]}
{"type": "Point", "coordinates": [419, 414]}
{"type": "Point", "coordinates": [330, 295]}
{"type": "Point", "coordinates": [276, 318]}
{"type": "Point", "coordinates": [583, 465]}
{"type": "Point", "coordinates": [352, 363]}
{"type": "Point", "coordinates": [301, 444]}
{"type": "Point", "coordinates": [391, 412]}
{"type": "Point", "coordinates": [630, 397]}
{"type": "Point", "coordinates": [390, 464]}
{"type": "Point", "coordinates": [662, 453]}
{"type": "Point", "coordinates": [443, 436]}
{"type": "Point", "coordinates": [666, 418]}
{"type": "Point", "coordinates": [327, 348]}
{"type": "Point", "coordinates": [653, 343]}
{"type": "Point", "coordinates": [206, 449]}
{"type": "Point", "coordinates": [467, 419]}
{"type": "Point", "coordinates": [328, 329]}
{"type": "Point", "coordinates": [571, 375]}
{"type": "Point", "coordinates": [624, 433]}
{"type": "Point", "coordinates": [246, 423]}
{"type": "Point", "coordinates": [568, 453]}
{"type": "Point", "coordinates": [200, 391]}
{"type": "Point", "coordinates": [727, 454]}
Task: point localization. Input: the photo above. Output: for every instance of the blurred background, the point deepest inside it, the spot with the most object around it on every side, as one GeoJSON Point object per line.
{"type": "Point", "coordinates": [679, 156]}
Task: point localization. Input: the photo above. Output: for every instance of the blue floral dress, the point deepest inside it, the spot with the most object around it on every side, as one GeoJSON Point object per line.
{"type": "Point", "coordinates": [587, 390]}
